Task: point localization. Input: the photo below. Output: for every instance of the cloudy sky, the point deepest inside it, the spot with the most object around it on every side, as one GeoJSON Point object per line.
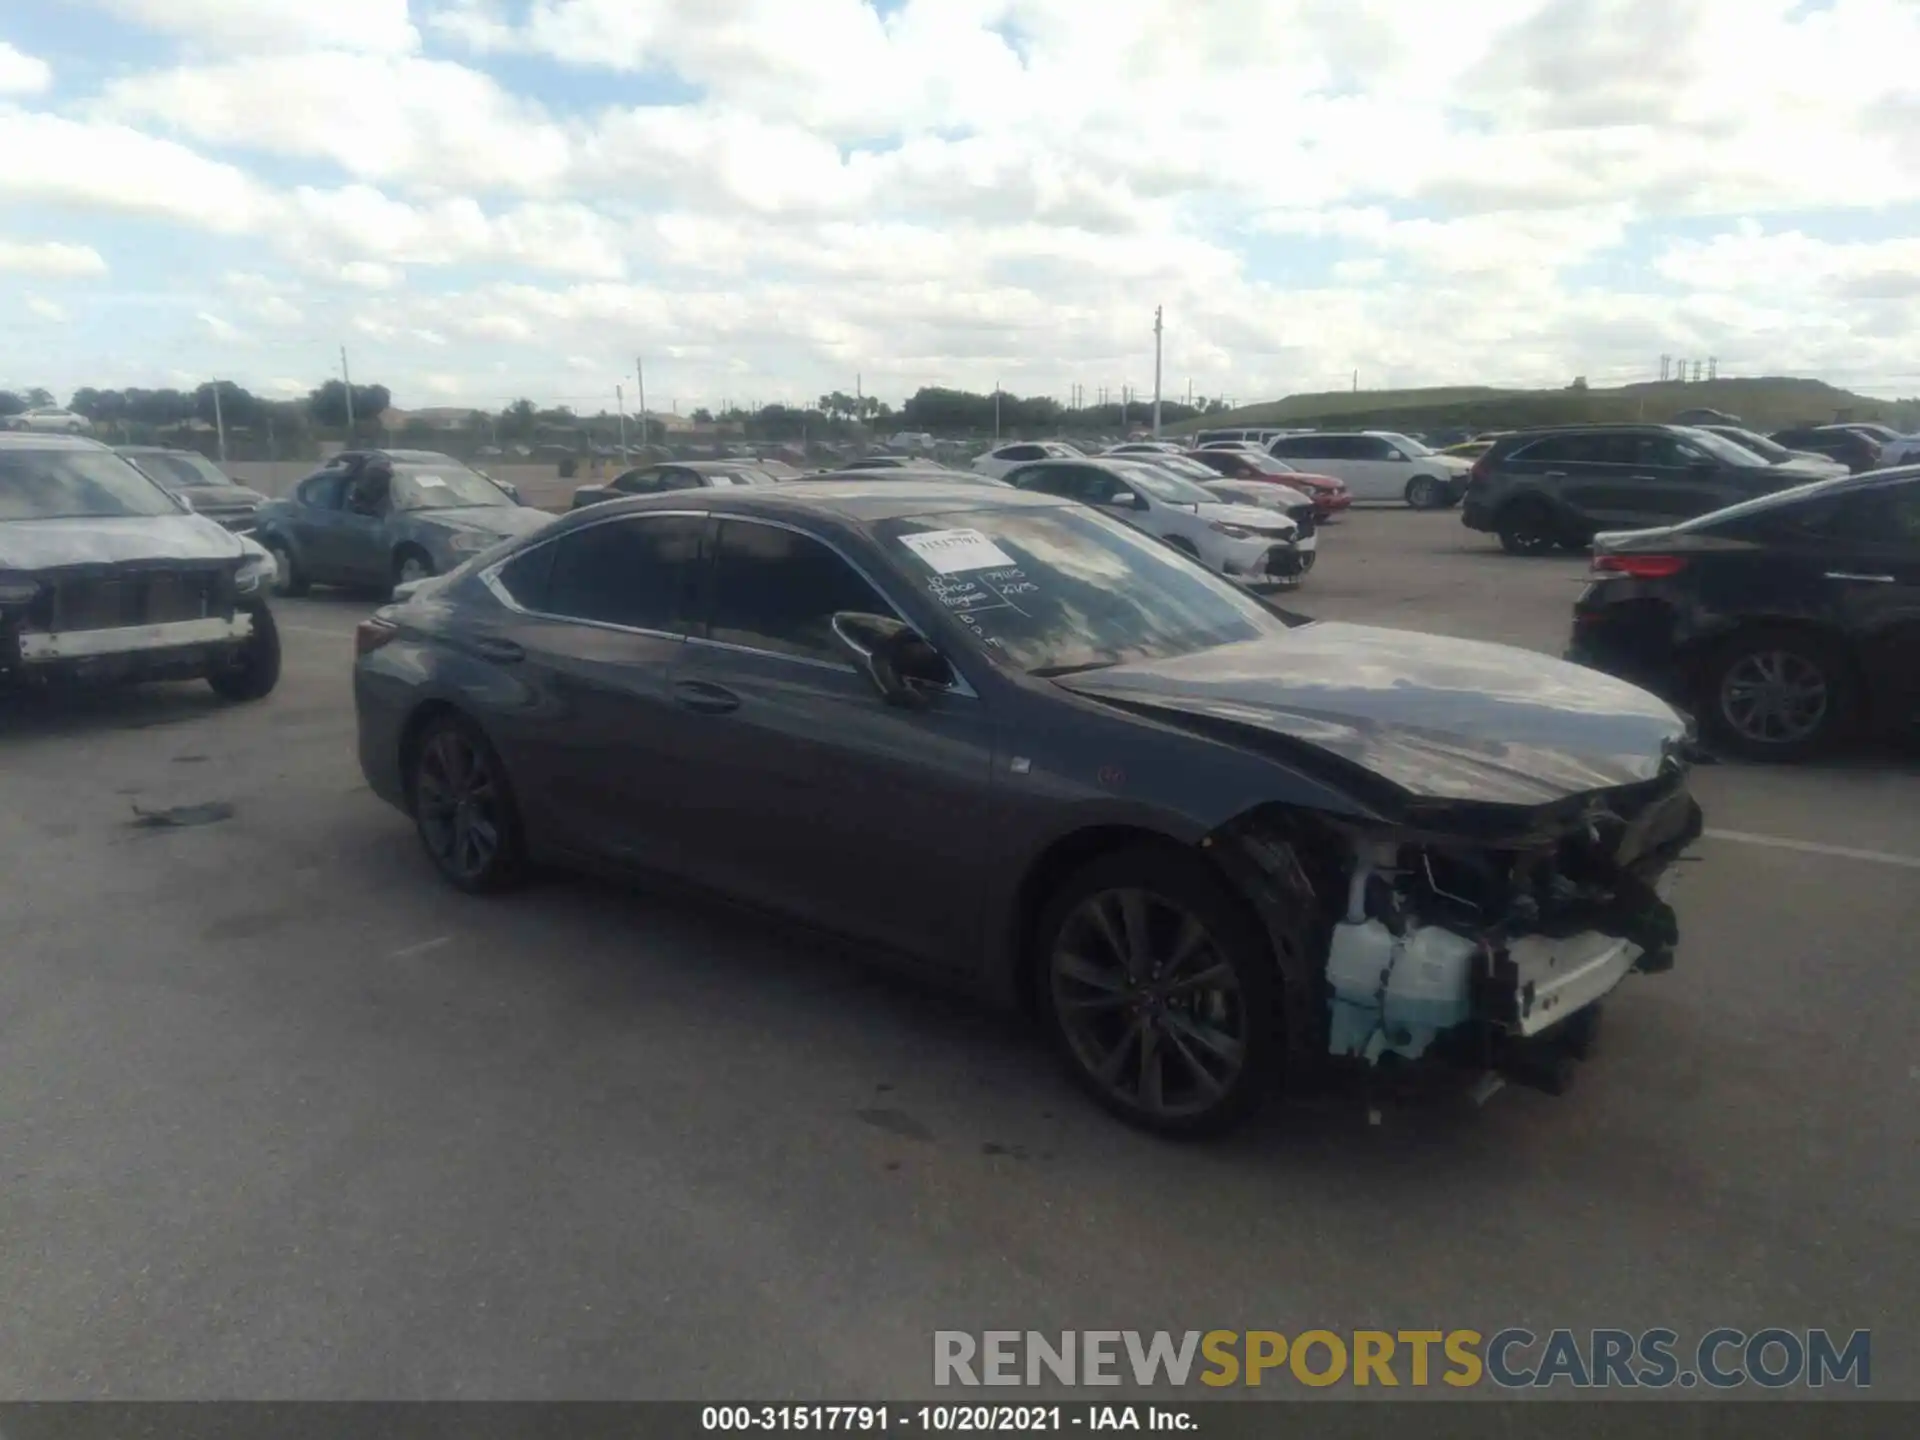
{"type": "Point", "coordinates": [484, 198]}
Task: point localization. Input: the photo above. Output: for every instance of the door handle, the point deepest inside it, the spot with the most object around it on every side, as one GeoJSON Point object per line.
{"type": "Point", "coordinates": [706, 698]}
{"type": "Point", "coordinates": [503, 651]}
{"type": "Point", "coordinates": [1870, 579]}
{"type": "Point", "coordinates": [1647, 478]}
{"type": "Point", "coordinates": [1554, 475]}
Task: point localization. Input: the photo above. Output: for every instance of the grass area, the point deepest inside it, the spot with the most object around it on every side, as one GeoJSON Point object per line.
{"type": "Point", "coordinates": [1766, 403]}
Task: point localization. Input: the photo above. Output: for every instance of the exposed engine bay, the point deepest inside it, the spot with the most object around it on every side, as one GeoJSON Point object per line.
{"type": "Point", "coordinates": [1495, 949]}
{"type": "Point", "coordinates": [1434, 937]}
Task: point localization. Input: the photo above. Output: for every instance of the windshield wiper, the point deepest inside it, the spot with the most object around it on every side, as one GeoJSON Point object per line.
{"type": "Point", "coordinates": [1051, 672]}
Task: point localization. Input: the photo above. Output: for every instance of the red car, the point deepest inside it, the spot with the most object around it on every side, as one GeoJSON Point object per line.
{"type": "Point", "coordinates": [1329, 495]}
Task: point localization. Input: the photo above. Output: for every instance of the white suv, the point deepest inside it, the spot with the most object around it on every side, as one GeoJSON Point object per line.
{"type": "Point", "coordinates": [1378, 465]}
{"type": "Point", "coordinates": [998, 462]}
{"type": "Point", "coordinates": [1247, 543]}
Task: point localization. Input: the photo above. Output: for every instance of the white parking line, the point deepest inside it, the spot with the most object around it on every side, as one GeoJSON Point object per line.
{"type": "Point", "coordinates": [422, 948]}
{"type": "Point", "coordinates": [1813, 847]}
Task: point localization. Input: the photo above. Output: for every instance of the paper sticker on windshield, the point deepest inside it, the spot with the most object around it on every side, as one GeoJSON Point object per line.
{"type": "Point", "coordinates": [429, 479]}
{"type": "Point", "coordinates": [951, 551]}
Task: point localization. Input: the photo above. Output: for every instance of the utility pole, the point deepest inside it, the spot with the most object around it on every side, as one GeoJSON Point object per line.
{"type": "Point", "coordinates": [996, 414]}
{"type": "Point", "coordinates": [1356, 382]}
{"type": "Point", "coordinates": [219, 424]}
{"type": "Point", "coordinates": [640, 374]}
{"type": "Point", "coordinates": [1156, 371]}
{"type": "Point", "coordinates": [347, 380]}
{"type": "Point", "coordinates": [620, 404]}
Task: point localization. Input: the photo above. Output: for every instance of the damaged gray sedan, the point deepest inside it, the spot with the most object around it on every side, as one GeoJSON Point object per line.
{"type": "Point", "coordinates": [1212, 846]}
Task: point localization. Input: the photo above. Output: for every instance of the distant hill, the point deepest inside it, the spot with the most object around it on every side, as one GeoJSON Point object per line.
{"type": "Point", "coordinates": [1763, 403]}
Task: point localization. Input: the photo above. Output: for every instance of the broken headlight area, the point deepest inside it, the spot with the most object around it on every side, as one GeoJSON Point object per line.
{"type": "Point", "coordinates": [1453, 946]}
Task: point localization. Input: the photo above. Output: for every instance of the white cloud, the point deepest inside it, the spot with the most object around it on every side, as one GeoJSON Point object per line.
{"type": "Point", "coordinates": [377, 25]}
{"type": "Point", "coordinates": [963, 190]}
{"type": "Point", "coordinates": [21, 73]}
{"type": "Point", "coordinates": [50, 257]}
{"type": "Point", "coordinates": [220, 329]}
{"type": "Point", "coordinates": [108, 167]}
{"type": "Point", "coordinates": [45, 308]}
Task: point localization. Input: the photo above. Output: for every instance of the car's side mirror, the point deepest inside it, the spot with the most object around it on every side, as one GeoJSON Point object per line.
{"type": "Point", "coordinates": [185, 502]}
{"type": "Point", "coordinates": [892, 654]}
{"type": "Point", "coordinates": [1126, 500]}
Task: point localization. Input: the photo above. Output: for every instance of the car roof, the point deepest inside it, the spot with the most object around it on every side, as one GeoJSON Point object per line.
{"type": "Point", "coordinates": [152, 450]}
{"type": "Point", "coordinates": [861, 502]}
{"type": "Point", "coordinates": [43, 440]}
{"type": "Point", "coordinates": [706, 467]}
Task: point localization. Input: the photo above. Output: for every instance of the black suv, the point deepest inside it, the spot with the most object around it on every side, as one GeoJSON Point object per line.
{"type": "Point", "coordinates": [1538, 489]}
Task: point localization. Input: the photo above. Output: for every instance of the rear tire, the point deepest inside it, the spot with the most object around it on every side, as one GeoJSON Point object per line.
{"type": "Point", "coordinates": [1778, 695]}
{"type": "Point", "coordinates": [464, 808]}
{"type": "Point", "coordinates": [255, 670]}
{"type": "Point", "coordinates": [1160, 992]}
{"type": "Point", "coordinates": [1526, 527]}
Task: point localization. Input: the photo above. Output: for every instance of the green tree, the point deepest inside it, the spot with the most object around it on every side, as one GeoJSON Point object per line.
{"type": "Point", "coordinates": [328, 405]}
{"type": "Point", "coordinates": [39, 395]}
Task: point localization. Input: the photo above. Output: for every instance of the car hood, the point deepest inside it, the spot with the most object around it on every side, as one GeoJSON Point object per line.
{"type": "Point", "coordinates": [51, 544]}
{"type": "Point", "coordinates": [220, 497]}
{"type": "Point", "coordinates": [1438, 718]}
{"type": "Point", "coordinates": [500, 521]}
{"type": "Point", "coordinates": [1232, 513]}
{"type": "Point", "coordinates": [1459, 464]}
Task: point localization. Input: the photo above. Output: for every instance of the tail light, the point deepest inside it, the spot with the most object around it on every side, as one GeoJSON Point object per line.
{"type": "Point", "coordinates": [1479, 472]}
{"type": "Point", "coordinates": [1639, 567]}
{"type": "Point", "coordinates": [370, 635]}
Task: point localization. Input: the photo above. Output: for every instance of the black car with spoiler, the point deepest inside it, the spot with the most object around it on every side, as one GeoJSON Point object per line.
{"type": "Point", "coordinates": [105, 576]}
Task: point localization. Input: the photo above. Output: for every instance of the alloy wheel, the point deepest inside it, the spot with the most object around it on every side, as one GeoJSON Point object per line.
{"type": "Point", "coordinates": [1774, 697]}
{"type": "Point", "coordinates": [1423, 493]}
{"type": "Point", "coordinates": [1149, 1004]}
{"type": "Point", "coordinates": [457, 801]}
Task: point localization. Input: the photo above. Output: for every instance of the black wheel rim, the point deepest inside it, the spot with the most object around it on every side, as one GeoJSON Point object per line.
{"type": "Point", "coordinates": [1528, 535]}
{"type": "Point", "coordinates": [1150, 1006]}
{"type": "Point", "coordinates": [1774, 697]}
{"type": "Point", "coordinates": [458, 804]}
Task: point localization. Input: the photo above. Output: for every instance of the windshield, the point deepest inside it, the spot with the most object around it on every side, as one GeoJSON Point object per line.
{"type": "Point", "coordinates": [1053, 590]}
{"type": "Point", "coordinates": [1165, 485]}
{"type": "Point", "coordinates": [177, 472]}
{"type": "Point", "coordinates": [1405, 442]}
{"type": "Point", "coordinates": [1722, 449]}
{"type": "Point", "coordinates": [1758, 444]}
{"type": "Point", "coordinates": [444, 485]}
{"type": "Point", "coordinates": [1181, 465]}
{"type": "Point", "coordinates": [75, 484]}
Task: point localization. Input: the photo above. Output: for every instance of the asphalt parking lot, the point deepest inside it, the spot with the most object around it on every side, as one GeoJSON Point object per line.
{"type": "Point", "coordinates": [282, 1115]}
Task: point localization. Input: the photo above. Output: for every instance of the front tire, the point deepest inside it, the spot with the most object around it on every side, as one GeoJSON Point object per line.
{"type": "Point", "coordinates": [1426, 493]}
{"type": "Point", "coordinates": [288, 579]}
{"type": "Point", "coordinates": [411, 565]}
{"type": "Point", "coordinates": [1778, 695]}
{"type": "Point", "coordinates": [464, 809]}
{"type": "Point", "coordinates": [253, 672]}
{"type": "Point", "coordinates": [1161, 992]}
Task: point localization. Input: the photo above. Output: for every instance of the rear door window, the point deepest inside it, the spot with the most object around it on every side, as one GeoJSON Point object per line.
{"type": "Point", "coordinates": [639, 573]}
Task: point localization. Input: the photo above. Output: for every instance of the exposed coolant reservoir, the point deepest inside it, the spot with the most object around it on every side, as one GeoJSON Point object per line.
{"type": "Point", "coordinates": [1394, 994]}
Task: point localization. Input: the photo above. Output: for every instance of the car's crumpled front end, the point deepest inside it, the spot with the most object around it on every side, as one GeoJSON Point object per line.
{"type": "Point", "coordinates": [1499, 952]}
